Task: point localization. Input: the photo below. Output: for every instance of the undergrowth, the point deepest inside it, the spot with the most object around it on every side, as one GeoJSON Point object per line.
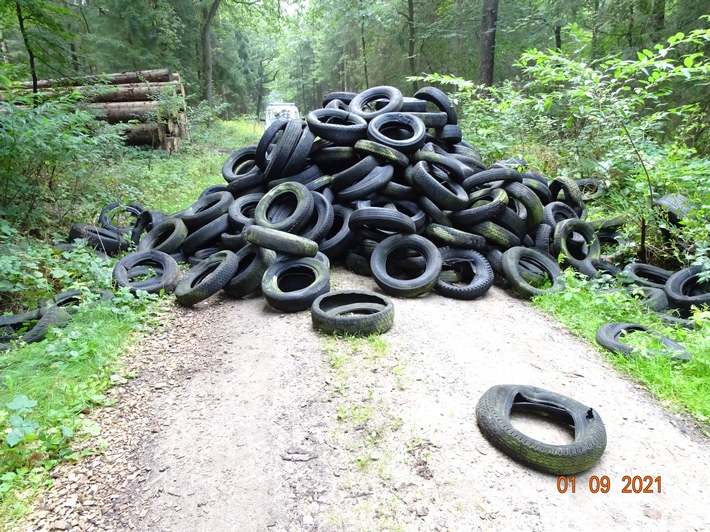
{"type": "Point", "coordinates": [587, 305]}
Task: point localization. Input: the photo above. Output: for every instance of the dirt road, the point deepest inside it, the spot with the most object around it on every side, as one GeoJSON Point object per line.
{"type": "Point", "coordinates": [244, 419]}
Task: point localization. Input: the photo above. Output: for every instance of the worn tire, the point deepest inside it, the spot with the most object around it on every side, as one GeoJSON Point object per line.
{"type": "Point", "coordinates": [295, 217]}
{"type": "Point", "coordinates": [54, 316]}
{"type": "Point", "coordinates": [493, 417]}
{"type": "Point", "coordinates": [293, 285]}
{"type": "Point", "coordinates": [167, 278]}
{"type": "Point", "coordinates": [647, 275]}
{"type": "Point", "coordinates": [359, 312]}
{"type": "Point", "coordinates": [167, 236]}
{"type": "Point", "coordinates": [681, 284]}
{"type": "Point", "coordinates": [608, 336]}
{"type": "Point", "coordinates": [207, 278]}
{"type": "Point", "coordinates": [251, 265]}
{"type": "Point", "coordinates": [416, 286]}
{"type": "Point", "coordinates": [475, 274]}
{"type": "Point", "coordinates": [511, 267]}
{"type": "Point", "coordinates": [281, 241]}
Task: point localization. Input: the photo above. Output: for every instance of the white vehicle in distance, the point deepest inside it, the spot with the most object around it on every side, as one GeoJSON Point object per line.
{"type": "Point", "coordinates": [288, 111]}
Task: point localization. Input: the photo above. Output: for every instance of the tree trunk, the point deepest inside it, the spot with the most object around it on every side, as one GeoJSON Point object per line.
{"type": "Point", "coordinates": [412, 43]}
{"type": "Point", "coordinates": [595, 32]}
{"type": "Point", "coordinates": [160, 75]}
{"type": "Point", "coordinates": [364, 52]}
{"type": "Point", "coordinates": [25, 39]}
{"type": "Point", "coordinates": [115, 113]}
{"type": "Point", "coordinates": [151, 134]}
{"type": "Point", "coordinates": [207, 51]}
{"type": "Point", "coordinates": [131, 92]}
{"type": "Point", "coordinates": [488, 42]}
{"type": "Point", "coordinates": [630, 29]}
{"type": "Point", "coordinates": [260, 89]}
{"type": "Point", "coordinates": [3, 49]}
{"type": "Point", "coordinates": [74, 59]}
{"type": "Point", "coordinates": [659, 18]}
{"type": "Point", "coordinates": [558, 38]}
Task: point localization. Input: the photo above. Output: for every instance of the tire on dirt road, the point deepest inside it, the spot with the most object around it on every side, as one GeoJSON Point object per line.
{"type": "Point", "coordinates": [206, 278]}
{"type": "Point", "coordinates": [493, 417]}
{"type": "Point", "coordinates": [352, 312]}
{"type": "Point", "coordinates": [293, 285]}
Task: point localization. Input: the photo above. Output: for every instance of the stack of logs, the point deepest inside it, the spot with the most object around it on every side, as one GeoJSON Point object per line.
{"type": "Point", "coordinates": [132, 96]}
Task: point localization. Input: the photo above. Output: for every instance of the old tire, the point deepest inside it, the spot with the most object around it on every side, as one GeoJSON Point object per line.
{"type": "Point", "coordinates": [206, 278]}
{"type": "Point", "coordinates": [609, 337]}
{"type": "Point", "coordinates": [293, 285]}
{"type": "Point", "coordinates": [493, 417]}
{"type": "Point", "coordinates": [352, 312]}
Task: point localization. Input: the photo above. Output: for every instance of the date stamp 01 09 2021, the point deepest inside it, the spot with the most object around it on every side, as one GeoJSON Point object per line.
{"type": "Point", "coordinates": [603, 484]}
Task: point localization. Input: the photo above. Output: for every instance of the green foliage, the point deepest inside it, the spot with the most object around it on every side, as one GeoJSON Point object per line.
{"type": "Point", "coordinates": [47, 152]}
{"type": "Point", "coordinates": [48, 384]}
{"type": "Point", "coordinates": [630, 122]}
{"type": "Point", "coordinates": [587, 305]}
{"type": "Point", "coordinates": [31, 272]}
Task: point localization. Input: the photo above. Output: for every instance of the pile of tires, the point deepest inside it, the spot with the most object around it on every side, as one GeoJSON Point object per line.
{"type": "Point", "coordinates": [384, 184]}
{"type": "Point", "coordinates": [380, 182]}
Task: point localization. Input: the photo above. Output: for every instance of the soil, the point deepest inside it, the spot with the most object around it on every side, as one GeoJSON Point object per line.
{"type": "Point", "coordinates": [241, 418]}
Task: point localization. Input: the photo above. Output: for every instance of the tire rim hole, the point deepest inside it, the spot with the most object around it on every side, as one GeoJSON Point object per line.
{"type": "Point", "coordinates": [405, 264]}
{"type": "Point", "coordinates": [295, 279]}
{"type": "Point", "coordinates": [540, 427]}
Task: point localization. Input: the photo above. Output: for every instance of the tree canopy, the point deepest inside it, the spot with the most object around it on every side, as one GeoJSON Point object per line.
{"type": "Point", "coordinates": [244, 52]}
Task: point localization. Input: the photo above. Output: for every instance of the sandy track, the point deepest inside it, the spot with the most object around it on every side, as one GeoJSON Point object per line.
{"type": "Point", "coordinates": [244, 419]}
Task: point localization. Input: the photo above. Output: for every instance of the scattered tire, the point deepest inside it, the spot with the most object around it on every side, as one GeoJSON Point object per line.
{"type": "Point", "coordinates": [676, 206]}
{"type": "Point", "coordinates": [358, 312]}
{"type": "Point", "coordinates": [54, 316]}
{"type": "Point", "coordinates": [610, 337]}
{"type": "Point", "coordinates": [493, 417]}
{"type": "Point", "coordinates": [684, 288]}
{"type": "Point", "coordinates": [647, 275]}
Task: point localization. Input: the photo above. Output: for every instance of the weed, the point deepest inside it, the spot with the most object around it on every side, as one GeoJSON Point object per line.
{"type": "Point", "coordinates": [587, 305]}
{"type": "Point", "coordinates": [397, 423]}
{"type": "Point", "coordinates": [363, 462]}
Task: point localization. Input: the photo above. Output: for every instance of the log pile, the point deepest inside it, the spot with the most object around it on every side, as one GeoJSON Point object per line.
{"type": "Point", "coordinates": [131, 97]}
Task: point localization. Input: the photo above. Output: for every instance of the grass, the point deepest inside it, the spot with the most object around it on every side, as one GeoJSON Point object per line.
{"type": "Point", "coordinates": [172, 182]}
{"type": "Point", "coordinates": [54, 381]}
{"type": "Point", "coordinates": [585, 306]}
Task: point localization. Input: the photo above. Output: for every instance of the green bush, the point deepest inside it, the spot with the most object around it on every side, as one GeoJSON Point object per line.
{"type": "Point", "coordinates": [32, 271]}
{"type": "Point", "coordinates": [49, 152]}
{"type": "Point", "coordinates": [631, 123]}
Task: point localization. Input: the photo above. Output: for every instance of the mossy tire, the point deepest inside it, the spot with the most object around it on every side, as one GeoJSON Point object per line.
{"type": "Point", "coordinates": [493, 417]}
{"type": "Point", "coordinates": [360, 312]}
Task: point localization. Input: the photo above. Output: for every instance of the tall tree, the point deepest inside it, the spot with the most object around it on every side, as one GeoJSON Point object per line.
{"type": "Point", "coordinates": [21, 17]}
{"type": "Point", "coordinates": [659, 17]}
{"type": "Point", "coordinates": [488, 42]}
{"type": "Point", "coordinates": [209, 10]}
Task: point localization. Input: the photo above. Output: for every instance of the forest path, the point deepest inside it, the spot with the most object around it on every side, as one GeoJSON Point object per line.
{"type": "Point", "coordinates": [242, 419]}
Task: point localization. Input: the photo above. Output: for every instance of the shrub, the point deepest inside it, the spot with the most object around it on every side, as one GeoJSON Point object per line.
{"type": "Point", "coordinates": [49, 151]}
